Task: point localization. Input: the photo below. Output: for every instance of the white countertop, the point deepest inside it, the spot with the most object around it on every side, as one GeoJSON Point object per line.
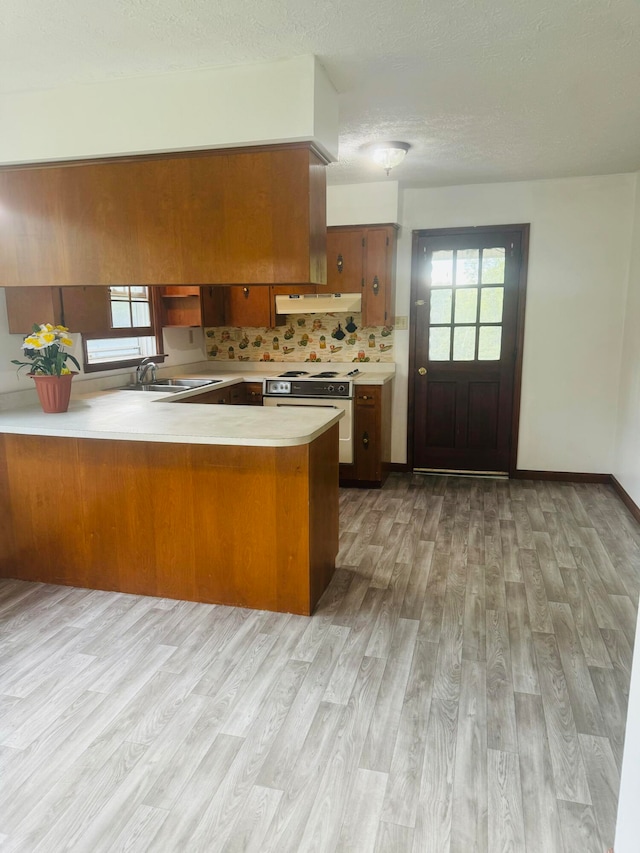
{"type": "Point", "coordinates": [147, 416]}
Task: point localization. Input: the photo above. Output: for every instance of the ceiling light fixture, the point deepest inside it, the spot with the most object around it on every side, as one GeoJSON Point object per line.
{"type": "Point", "coordinates": [388, 154]}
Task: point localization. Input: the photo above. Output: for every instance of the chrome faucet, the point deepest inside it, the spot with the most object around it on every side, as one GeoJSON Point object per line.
{"type": "Point", "coordinates": [143, 368]}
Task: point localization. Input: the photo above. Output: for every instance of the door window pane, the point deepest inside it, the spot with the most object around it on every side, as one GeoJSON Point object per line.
{"type": "Point", "coordinates": [491, 301]}
{"type": "Point", "coordinates": [442, 269]}
{"type": "Point", "coordinates": [466, 305]}
{"type": "Point", "coordinates": [468, 266]}
{"type": "Point", "coordinates": [440, 306]}
{"type": "Point", "coordinates": [493, 265]}
{"type": "Point", "coordinates": [439, 343]}
{"type": "Point", "coordinates": [489, 343]}
{"type": "Point", "coordinates": [464, 343]}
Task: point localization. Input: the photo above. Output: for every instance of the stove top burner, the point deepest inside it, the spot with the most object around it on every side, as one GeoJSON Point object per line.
{"type": "Point", "coordinates": [326, 374]}
{"type": "Point", "coordinates": [289, 373]}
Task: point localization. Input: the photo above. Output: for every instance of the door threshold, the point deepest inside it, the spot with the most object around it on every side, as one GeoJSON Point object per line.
{"type": "Point", "coordinates": [449, 472]}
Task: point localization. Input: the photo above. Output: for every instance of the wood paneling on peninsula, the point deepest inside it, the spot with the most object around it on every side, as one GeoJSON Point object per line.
{"type": "Point", "coordinates": [232, 216]}
{"type": "Point", "coordinates": [248, 526]}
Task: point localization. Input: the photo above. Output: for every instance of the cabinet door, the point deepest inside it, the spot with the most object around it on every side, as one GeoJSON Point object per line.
{"type": "Point", "coordinates": [29, 305]}
{"type": "Point", "coordinates": [237, 394]}
{"type": "Point", "coordinates": [345, 255]}
{"type": "Point", "coordinates": [212, 301]}
{"type": "Point", "coordinates": [253, 391]}
{"type": "Point", "coordinates": [210, 397]}
{"type": "Point", "coordinates": [367, 444]}
{"type": "Point", "coordinates": [86, 309]}
{"type": "Point", "coordinates": [248, 306]}
{"type": "Point", "coordinates": [377, 294]}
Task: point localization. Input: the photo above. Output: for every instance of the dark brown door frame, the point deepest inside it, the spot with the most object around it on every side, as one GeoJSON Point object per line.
{"type": "Point", "coordinates": [522, 292]}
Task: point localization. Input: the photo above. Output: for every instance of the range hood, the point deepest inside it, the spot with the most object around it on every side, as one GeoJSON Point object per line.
{"type": "Point", "coordinates": [319, 303]}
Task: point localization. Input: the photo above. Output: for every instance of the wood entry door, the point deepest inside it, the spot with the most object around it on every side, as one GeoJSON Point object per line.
{"type": "Point", "coordinates": [467, 305]}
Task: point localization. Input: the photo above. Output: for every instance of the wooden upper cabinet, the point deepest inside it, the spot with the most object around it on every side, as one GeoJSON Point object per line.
{"type": "Point", "coordinates": [191, 306]}
{"type": "Point", "coordinates": [345, 260]}
{"type": "Point", "coordinates": [249, 306]}
{"type": "Point", "coordinates": [378, 293]}
{"type": "Point", "coordinates": [233, 216]}
{"type": "Point", "coordinates": [362, 259]}
{"type": "Point", "coordinates": [80, 309]}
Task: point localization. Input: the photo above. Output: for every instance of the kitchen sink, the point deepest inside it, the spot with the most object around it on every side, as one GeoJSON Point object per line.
{"type": "Point", "coordinates": [172, 385]}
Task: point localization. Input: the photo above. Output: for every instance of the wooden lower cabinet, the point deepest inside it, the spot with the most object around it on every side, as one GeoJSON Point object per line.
{"type": "Point", "coordinates": [240, 394]}
{"type": "Point", "coordinates": [371, 437]}
{"type": "Point", "coordinates": [199, 522]}
{"type": "Point", "coordinates": [253, 393]}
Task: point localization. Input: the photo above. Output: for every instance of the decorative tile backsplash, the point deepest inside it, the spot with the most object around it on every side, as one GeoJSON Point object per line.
{"type": "Point", "coordinates": [305, 337]}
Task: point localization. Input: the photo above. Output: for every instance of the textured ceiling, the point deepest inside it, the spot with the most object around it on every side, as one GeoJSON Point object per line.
{"type": "Point", "coordinates": [483, 90]}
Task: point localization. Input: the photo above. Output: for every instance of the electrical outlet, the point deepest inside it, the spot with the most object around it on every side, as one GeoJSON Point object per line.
{"type": "Point", "coordinates": [401, 324]}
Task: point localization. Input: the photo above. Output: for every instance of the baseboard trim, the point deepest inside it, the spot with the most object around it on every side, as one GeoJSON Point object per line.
{"type": "Point", "coordinates": [398, 467]}
{"type": "Point", "coordinates": [625, 497]}
{"type": "Point", "coordinates": [561, 476]}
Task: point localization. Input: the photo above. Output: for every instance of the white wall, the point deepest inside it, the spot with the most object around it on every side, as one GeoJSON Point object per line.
{"type": "Point", "coordinates": [283, 101]}
{"type": "Point", "coordinates": [177, 345]}
{"type": "Point", "coordinates": [627, 471]}
{"type": "Point", "coordinates": [356, 204]}
{"type": "Point", "coordinates": [578, 262]}
{"type": "Point", "coordinates": [627, 461]}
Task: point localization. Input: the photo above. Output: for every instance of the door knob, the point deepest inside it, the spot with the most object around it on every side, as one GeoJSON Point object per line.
{"type": "Point", "coordinates": [422, 371]}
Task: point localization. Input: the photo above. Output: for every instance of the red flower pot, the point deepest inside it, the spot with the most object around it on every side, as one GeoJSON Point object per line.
{"type": "Point", "coordinates": [53, 391]}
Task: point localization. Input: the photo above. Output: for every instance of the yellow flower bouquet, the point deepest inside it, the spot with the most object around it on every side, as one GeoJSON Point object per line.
{"type": "Point", "coordinates": [45, 349]}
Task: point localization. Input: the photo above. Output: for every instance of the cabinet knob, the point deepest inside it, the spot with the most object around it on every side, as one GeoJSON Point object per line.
{"type": "Point", "coordinates": [340, 263]}
{"type": "Point", "coordinates": [365, 439]}
{"type": "Point", "coordinates": [364, 397]}
{"type": "Point", "coordinates": [245, 292]}
{"type": "Point", "coordinates": [422, 371]}
{"type": "Point", "coordinates": [376, 285]}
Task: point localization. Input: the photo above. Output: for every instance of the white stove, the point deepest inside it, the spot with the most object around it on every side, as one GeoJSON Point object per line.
{"type": "Point", "coordinates": [325, 389]}
{"type": "Point", "coordinates": [302, 383]}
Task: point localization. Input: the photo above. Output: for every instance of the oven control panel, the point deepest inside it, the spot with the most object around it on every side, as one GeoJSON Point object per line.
{"type": "Point", "coordinates": [307, 388]}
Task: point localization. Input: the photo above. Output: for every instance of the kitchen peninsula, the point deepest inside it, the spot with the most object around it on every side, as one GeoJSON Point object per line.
{"type": "Point", "coordinates": [131, 492]}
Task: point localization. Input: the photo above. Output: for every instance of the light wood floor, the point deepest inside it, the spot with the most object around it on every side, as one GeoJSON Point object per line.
{"type": "Point", "coordinates": [462, 687]}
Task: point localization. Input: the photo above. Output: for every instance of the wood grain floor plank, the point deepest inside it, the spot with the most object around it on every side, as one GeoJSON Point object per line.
{"type": "Point", "coordinates": [383, 730]}
{"type": "Point", "coordinates": [322, 829]}
{"type": "Point", "coordinates": [501, 713]}
{"type": "Point", "coordinates": [253, 823]}
{"type": "Point", "coordinates": [432, 832]}
{"type": "Point", "coordinates": [585, 706]}
{"type": "Point", "coordinates": [419, 577]}
{"type": "Point", "coordinates": [539, 801]}
{"type": "Point", "coordinates": [604, 781]}
{"type": "Point", "coordinates": [552, 578]}
{"type": "Point", "coordinates": [523, 661]}
{"type": "Point", "coordinates": [392, 838]}
{"type": "Point", "coordinates": [433, 605]}
{"type": "Point", "coordinates": [504, 796]}
{"type": "Point", "coordinates": [360, 828]}
{"type": "Point", "coordinates": [593, 646]}
{"type": "Point", "coordinates": [510, 548]}
{"type": "Point", "coordinates": [566, 759]}
{"type": "Point", "coordinates": [469, 819]}
{"type": "Point", "coordinates": [613, 703]}
{"type": "Point", "coordinates": [537, 602]}
{"type": "Point", "coordinates": [403, 787]}
{"type": "Point", "coordinates": [293, 732]}
{"type": "Point", "coordinates": [564, 554]}
{"type": "Point", "coordinates": [579, 828]}
{"type": "Point", "coordinates": [474, 629]}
